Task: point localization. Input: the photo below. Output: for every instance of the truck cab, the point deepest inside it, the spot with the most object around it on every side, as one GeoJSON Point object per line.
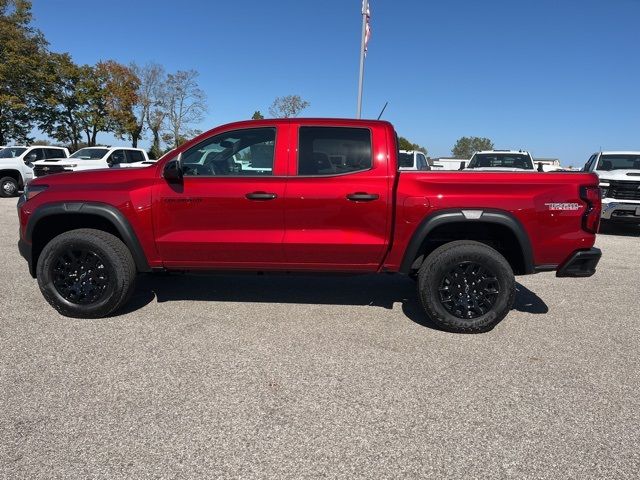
{"type": "Point", "coordinates": [16, 165]}
{"type": "Point", "coordinates": [619, 174]}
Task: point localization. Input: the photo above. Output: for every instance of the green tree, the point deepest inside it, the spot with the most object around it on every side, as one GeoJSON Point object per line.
{"type": "Point", "coordinates": [60, 115]}
{"type": "Point", "coordinates": [94, 115]}
{"type": "Point", "coordinates": [405, 144]}
{"type": "Point", "coordinates": [120, 91]}
{"type": "Point", "coordinates": [465, 147]}
{"type": "Point", "coordinates": [22, 52]}
{"type": "Point", "coordinates": [257, 115]}
{"type": "Point", "coordinates": [288, 107]}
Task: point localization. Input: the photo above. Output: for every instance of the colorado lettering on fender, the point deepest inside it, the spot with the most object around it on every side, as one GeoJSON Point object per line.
{"type": "Point", "coordinates": [563, 206]}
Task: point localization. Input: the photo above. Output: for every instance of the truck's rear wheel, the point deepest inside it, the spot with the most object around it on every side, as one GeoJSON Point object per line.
{"type": "Point", "coordinates": [466, 286]}
{"type": "Point", "coordinates": [86, 273]}
{"type": "Point", "coordinates": [8, 187]}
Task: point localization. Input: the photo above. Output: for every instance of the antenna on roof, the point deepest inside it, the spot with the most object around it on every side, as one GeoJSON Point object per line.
{"type": "Point", "coordinates": [383, 109]}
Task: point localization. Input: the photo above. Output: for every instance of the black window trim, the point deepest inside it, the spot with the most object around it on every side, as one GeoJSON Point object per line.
{"type": "Point", "coordinates": [325, 175]}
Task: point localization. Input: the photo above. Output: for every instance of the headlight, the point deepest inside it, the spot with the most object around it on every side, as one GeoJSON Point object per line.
{"type": "Point", "coordinates": [31, 191]}
{"type": "Point", "coordinates": [604, 188]}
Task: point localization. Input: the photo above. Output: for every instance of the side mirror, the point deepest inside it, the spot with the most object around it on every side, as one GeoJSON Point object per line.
{"type": "Point", "coordinates": [32, 157]}
{"type": "Point", "coordinates": [172, 172]}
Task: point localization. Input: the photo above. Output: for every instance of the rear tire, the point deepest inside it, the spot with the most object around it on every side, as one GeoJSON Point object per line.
{"type": "Point", "coordinates": [86, 273]}
{"type": "Point", "coordinates": [466, 287]}
{"type": "Point", "coordinates": [8, 187]}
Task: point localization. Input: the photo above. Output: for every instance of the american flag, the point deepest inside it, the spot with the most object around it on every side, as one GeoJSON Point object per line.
{"type": "Point", "coordinates": [367, 12]}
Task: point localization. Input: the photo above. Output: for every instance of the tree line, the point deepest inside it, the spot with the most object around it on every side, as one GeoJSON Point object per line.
{"type": "Point", "coordinates": [73, 103]}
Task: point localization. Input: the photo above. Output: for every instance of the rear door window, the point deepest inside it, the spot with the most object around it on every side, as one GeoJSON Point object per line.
{"type": "Point", "coordinates": [333, 150]}
{"type": "Point", "coordinates": [117, 157]}
{"type": "Point", "coordinates": [54, 153]}
{"type": "Point", "coordinates": [134, 156]}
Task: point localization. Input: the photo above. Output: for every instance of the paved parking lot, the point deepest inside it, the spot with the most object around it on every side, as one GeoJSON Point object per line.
{"type": "Point", "coordinates": [301, 377]}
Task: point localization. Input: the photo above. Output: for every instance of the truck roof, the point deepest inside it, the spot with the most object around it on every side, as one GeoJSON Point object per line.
{"type": "Point", "coordinates": [620, 152]}
{"type": "Point", "coordinates": [524, 152]}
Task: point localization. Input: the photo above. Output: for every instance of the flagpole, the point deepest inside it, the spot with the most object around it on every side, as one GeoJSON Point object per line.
{"type": "Point", "coordinates": [365, 7]}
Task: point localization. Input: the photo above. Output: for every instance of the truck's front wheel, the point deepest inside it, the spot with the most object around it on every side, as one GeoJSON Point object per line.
{"type": "Point", "coordinates": [466, 286]}
{"type": "Point", "coordinates": [86, 273]}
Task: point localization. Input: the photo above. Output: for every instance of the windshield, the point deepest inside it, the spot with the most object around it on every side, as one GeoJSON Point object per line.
{"type": "Point", "coordinates": [405, 159]}
{"type": "Point", "coordinates": [501, 160]}
{"type": "Point", "coordinates": [619, 162]}
{"type": "Point", "coordinates": [90, 153]}
{"type": "Point", "coordinates": [12, 152]}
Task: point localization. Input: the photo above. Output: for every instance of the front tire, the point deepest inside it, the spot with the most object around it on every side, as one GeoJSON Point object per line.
{"type": "Point", "coordinates": [8, 187]}
{"type": "Point", "coordinates": [466, 287]}
{"type": "Point", "coordinates": [86, 273]}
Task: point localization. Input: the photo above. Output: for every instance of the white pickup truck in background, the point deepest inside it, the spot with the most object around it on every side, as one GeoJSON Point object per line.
{"type": "Point", "coordinates": [93, 158]}
{"type": "Point", "coordinates": [619, 174]}
{"type": "Point", "coordinates": [16, 165]}
{"type": "Point", "coordinates": [501, 160]}
{"type": "Point", "coordinates": [413, 160]}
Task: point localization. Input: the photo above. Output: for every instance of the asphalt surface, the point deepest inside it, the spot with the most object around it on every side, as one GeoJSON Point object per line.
{"type": "Point", "coordinates": [301, 377]}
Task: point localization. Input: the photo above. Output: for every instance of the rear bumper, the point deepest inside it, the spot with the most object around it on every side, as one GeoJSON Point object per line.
{"type": "Point", "coordinates": [581, 263]}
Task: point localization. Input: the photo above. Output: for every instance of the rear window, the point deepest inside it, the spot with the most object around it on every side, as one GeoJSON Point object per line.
{"type": "Point", "coordinates": [501, 160]}
{"type": "Point", "coordinates": [334, 150]}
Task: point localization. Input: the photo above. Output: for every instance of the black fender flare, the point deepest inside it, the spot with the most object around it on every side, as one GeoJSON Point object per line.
{"type": "Point", "coordinates": [106, 211]}
{"type": "Point", "coordinates": [495, 217]}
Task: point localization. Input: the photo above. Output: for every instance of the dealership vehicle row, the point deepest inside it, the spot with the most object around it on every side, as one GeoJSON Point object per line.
{"type": "Point", "coordinates": [21, 164]}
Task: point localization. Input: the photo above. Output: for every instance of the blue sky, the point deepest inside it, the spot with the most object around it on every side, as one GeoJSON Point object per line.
{"type": "Point", "coordinates": [560, 78]}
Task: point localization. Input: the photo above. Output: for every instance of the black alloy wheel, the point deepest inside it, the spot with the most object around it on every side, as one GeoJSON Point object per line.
{"type": "Point", "coordinates": [466, 286]}
{"type": "Point", "coordinates": [80, 276]}
{"type": "Point", "coordinates": [469, 290]}
{"type": "Point", "coordinates": [86, 273]}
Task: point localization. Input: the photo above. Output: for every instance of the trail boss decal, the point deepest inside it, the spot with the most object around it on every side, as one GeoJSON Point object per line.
{"type": "Point", "coordinates": [563, 206]}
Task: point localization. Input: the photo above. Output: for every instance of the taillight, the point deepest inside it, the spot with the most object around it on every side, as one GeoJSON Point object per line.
{"type": "Point", "coordinates": [592, 196]}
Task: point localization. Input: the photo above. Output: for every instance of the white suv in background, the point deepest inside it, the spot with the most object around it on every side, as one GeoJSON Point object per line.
{"type": "Point", "coordinates": [413, 160]}
{"type": "Point", "coordinates": [93, 158]}
{"type": "Point", "coordinates": [16, 165]}
{"type": "Point", "coordinates": [619, 174]}
{"type": "Point", "coordinates": [501, 160]}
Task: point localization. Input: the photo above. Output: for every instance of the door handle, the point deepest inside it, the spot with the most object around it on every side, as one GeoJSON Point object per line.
{"type": "Point", "coordinates": [261, 196]}
{"type": "Point", "coordinates": [362, 197]}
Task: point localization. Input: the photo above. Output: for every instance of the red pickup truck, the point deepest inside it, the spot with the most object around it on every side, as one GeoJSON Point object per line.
{"type": "Point", "coordinates": [307, 195]}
